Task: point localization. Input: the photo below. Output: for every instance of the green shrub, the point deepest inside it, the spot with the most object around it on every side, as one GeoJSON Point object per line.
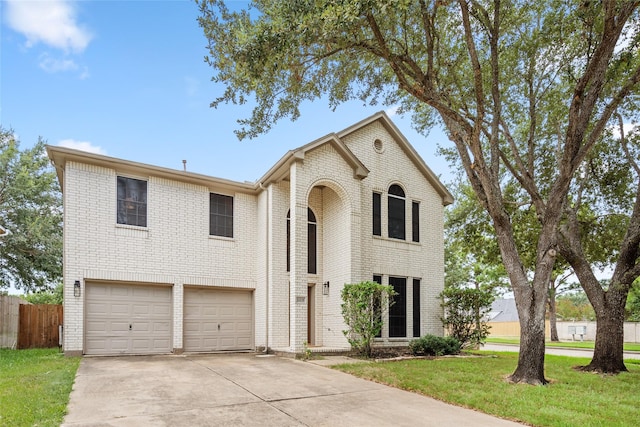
{"type": "Point", "coordinates": [431, 345]}
{"type": "Point", "coordinates": [465, 314]}
{"type": "Point", "coordinates": [364, 305]}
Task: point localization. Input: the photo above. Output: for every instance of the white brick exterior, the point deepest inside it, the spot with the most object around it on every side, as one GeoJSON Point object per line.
{"type": "Point", "coordinates": [335, 177]}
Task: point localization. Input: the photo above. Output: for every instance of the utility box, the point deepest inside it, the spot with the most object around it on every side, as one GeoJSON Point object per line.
{"type": "Point", "coordinates": [578, 330]}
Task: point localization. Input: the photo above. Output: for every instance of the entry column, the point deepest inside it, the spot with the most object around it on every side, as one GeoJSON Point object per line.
{"type": "Point", "coordinates": [298, 265]}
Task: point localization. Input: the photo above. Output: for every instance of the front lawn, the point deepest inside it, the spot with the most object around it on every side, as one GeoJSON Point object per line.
{"type": "Point", "coordinates": [572, 399]}
{"type": "Point", "coordinates": [35, 386]}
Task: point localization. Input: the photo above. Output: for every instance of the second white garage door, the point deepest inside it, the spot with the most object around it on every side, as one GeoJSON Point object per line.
{"type": "Point", "coordinates": [217, 319]}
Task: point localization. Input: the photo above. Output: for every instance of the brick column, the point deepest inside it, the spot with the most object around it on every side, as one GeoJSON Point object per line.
{"type": "Point", "coordinates": [298, 266]}
{"type": "Point", "coordinates": [178, 304]}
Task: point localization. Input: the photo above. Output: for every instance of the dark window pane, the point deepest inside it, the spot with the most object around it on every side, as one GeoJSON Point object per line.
{"type": "Point", "coordinates": [396, 217]}
{"type": "Point", "coordinates": [377, 214]}
{"type": "Point", "coordinates": [416, 307]}
{"type": "Point", "coordinates": [288, 241]}
{"type": "Point", "coordinates": [398, 311]}
{"type": "Point", "coordinates": [311, 243]}
{"type": "Point", "coordinates": [396, 190]}
{"type": "Point", "coordinates": [132, 201]}
{"type": "Point", "coordinates": [376, 303]}
{"type": "Point", "coordinates": [312, 265]}
{"type": "Point", "coordinates": [311, 252]}
{"type": "Point", "coordinates": [311, 217]}
{"type": "Point", "coordinates": [415, 221]}
{"type": "Point", "coordinates": [220, 215]}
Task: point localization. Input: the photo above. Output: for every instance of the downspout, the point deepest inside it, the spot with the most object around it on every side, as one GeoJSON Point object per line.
{"type": "Point", "coordinates": [266, 308]}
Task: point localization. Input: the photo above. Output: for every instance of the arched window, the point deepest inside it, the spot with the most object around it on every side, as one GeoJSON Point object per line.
{"type": "Point", "coordinates": [311, 242]}
{"type": "Point", "coordinates": [396, 212]}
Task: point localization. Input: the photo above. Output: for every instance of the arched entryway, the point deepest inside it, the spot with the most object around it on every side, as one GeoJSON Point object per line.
{"type": "Point", "coordinates": [332, 232]}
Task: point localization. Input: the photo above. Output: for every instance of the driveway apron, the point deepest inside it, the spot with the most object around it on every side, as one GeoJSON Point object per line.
{"type": "Point", "coordinates": [245, 390]}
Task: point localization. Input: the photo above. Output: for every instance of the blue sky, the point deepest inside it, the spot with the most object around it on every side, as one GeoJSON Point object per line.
{"type": "Point", "coordinates": [127, 79]}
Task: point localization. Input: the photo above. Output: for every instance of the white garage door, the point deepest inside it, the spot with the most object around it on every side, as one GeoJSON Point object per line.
{"type": "Point", "coordinates": [127, 319]}
{"type": "Point", "coordinates": [217, 319]}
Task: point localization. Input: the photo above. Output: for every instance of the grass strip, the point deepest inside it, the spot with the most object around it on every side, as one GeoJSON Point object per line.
{"type": "Point", "coordinates": [34, 386]}
{"type": "Point", "coordinates": [572, 398]}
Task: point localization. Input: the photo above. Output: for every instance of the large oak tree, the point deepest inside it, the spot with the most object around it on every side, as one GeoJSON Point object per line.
{"type": "Point", "coordinates": [31, 209]}
{"type": "Point", "coordinates": [504, 78]}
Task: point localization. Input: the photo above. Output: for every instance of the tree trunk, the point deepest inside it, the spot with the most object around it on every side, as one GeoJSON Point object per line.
{"type": "Point", "coordinates": [530, 368]}
{"type": "Point", "coordinates": [553, 325]}
{"type": "Point", "coordinates": [608, 355]}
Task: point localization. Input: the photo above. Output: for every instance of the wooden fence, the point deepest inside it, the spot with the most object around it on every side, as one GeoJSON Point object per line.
{"type": "Point", "coordinates": [39, 325]}
{"type": "Point", "coordinates": [511, 329]}
{"type": "Point", "coordinates": [9, 320]}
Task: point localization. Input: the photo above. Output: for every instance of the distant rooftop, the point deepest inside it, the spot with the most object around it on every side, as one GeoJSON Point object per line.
{"type": "Point", "coordinates": [503, 310]}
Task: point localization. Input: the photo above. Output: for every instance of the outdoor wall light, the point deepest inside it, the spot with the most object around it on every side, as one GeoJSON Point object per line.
{"type": "Point", "coordinates": [76, 288]}
{"type": "Point", "coordinates": [325, 288]}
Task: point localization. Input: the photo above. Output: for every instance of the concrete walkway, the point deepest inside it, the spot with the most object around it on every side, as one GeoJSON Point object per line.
{"type": "Point", "coordinates": [245, 390]}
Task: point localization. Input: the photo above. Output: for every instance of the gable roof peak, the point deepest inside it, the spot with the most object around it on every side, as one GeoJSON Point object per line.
{"type": "Point", "coordinates": [383, 118]}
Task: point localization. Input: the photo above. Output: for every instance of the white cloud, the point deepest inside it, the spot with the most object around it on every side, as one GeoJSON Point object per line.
{"type": "Point", "coordinates": [52, 22]}
{"type": "Point", "coordinates": [82, 145]}
{"type": "Point", "coordinates": [53, 65]}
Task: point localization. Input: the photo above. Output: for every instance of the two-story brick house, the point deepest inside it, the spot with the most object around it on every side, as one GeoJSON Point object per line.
{"type": "Point", "coordinates": [158, 260]}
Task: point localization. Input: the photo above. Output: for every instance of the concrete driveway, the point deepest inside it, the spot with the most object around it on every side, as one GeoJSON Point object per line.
{"type": "Point", "coordinates": [245, 390]}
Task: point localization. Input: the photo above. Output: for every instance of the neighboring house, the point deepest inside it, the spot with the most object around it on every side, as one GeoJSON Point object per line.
{"type": "Point", "coordinates": [3, 231]}
{"type": "Point", "coordinates": [159, 260]}
{"type": "Point", "coordinates": [503, 310]}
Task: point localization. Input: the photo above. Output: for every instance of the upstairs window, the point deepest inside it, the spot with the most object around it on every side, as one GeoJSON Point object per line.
{"type": "Point", "coordinates": [415, 221]}
{"type": "Point", "coordinates": [289, 240]}
{"type": "Point", "coordinates": [377, 214]}
{"type": "Point", "coordinates": [132, 201]}
{"type": "Point", "coordinates": [312, 255]}
{"type": "Point", "coordinates": [311, 243]}
{"type": "Point", "coordinates": [220, 215]}
{"type": "Point", "coordinates": [396, 200]}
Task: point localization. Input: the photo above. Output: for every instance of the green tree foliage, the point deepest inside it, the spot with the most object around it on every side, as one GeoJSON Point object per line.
{"type": "Point", "coordinates": [31, 209]}
{"type": "Point", "coordinates": [465, 314]}
{"type": "Point", "coordinates": [633, 304]}
{"type": "Point", "coordinates": [575, 306]}
{"type": "Point", "coordinates": [523, 89]}
{"type": "Point", "coordinates": [472, 256]}
{"type": "Point", "coordinates": [54, 296]}
{"type": "Point", "coordinates": [364, 305]}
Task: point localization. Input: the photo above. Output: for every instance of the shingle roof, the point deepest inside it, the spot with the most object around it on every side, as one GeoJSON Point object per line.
{"type": "Point", "coordinates": [503, 310]}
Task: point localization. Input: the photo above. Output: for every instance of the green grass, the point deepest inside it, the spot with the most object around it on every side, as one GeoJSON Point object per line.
{"type": "Point", "coordinates": [628, 346]}
{"type": "Point", "coordinates": [35, 386]}
{"type": "Point", "coordinates": [572, 398]}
